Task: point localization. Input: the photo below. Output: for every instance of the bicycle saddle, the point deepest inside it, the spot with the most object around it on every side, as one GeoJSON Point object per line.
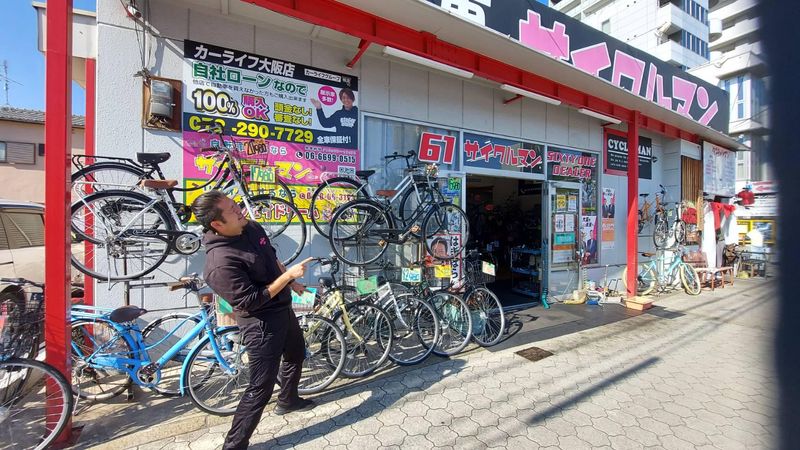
{"type": "Point", "coordinates": [126, 313]}
{"type": "Point", "coordinates": [388, 193]}
{"type": "Point", "coordinates": [158, 184]}
{"type": "Point", "coordinates": [364, 174]}
{"type": "Point", "coordinates": [151, 158]}
{"type": "Point", "coordinates": [648, 254]}
{"type": "Point", "coordinates": [644, 195]}
{"type": "Point", "coordinates": [326, 282]}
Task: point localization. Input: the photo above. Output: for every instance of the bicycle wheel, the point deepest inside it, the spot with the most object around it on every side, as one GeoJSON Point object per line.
{"type": "Point", "coordinates": [161, 335]}
{"type": "Point", "coordinates": [645, 279]}
{"type": "Point", "coordinates": [325, 353]}
{"type": "Point", "coordinates": [455, 322]}
{"type": "Point", "coordinates": [283, 224]}
{"type": "Point", "coordinates": [35, 404]}
{"type": "Point", "coordinates": [412, 199]}
{"type": "Point", "coordinates": [210, 386]}
{"type": "Point", "coordinates": [690, 280]}
{"type": "Point", "coordinates": [106, 175]}
{"type": "Point", "coordinates": [330, 195]}
{"type": "Point", "coordinates": [661, 232]}
{"type": "Point", "coordinates": [680, 232]}
{"type": "Point", "coordinates": [446, 222]}
{"type": "Point", "coordinates": [100, 219]}
{"type": "Point", "coordinates": [95, 346]}
{"type": "Point", "coordinates": [488, 319]}
{"type": "Point", "coordinates": [416, 329]}
{"type": "Point", "coordinates": [368, 337]}
{"type": "Point", "coordinates": [358, 232]}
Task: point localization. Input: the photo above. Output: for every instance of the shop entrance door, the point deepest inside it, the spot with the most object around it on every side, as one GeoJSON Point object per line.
{"type": "Point", "coordinates": [563, 238]}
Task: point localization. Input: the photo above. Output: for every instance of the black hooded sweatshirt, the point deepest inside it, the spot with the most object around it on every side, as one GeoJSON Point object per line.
{"type": "Point", "coordinates": [240, 268]}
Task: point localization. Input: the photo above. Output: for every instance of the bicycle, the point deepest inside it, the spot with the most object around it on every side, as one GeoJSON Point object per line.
{"type": "Point", "coordinates": [661, 274]}
{"type": "Point", "coordinates": [645, 212]}
{"type": "Point", "coordinates": [367, 328]}
{"type": "Point", "coordinates": [669, 223]}
{"type": "Point", "coordinates": [136, 232]}
{"type": "Point", "coordinates": [35, 398]}
{"type": "Point", "coordinates": [418, 186]}
{"type": "Point", "coordinates": [109, 353]}
{"type": "Point", "coordinates": [488, 318]}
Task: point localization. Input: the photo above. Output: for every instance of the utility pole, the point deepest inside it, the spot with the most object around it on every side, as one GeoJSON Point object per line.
{"type": "Point", "coordinates": [5, 78]}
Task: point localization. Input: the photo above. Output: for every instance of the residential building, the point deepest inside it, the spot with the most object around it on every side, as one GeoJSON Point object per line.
{"type": "Point", "coordinates": [22, 152]}
{"type": "Point", "coordinates": [676, 31]}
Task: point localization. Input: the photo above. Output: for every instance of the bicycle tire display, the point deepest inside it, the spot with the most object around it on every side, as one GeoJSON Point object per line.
{"type": "Point", "coordinates": [368, 338]}
{"type": "Point", "coordinates": [35, 404]}
{"type": "Point", "coordinates": [488, 318]}
{"type": "Point", "coordinates": [449, 222]}
{"type": "Point", "coordinates": [100, 218]}
{"type": "Point", "coordinates": [91, 379]}
{"type": "Point", "coordinates": [358, 231]}
{"type": "Point", "coordinates": [106, 175]}
{"type": "Point", "coordinates": [155, 338]}
{"type": "Point", "coordinates": [283, 224]}
{"type": "Point", "coordinates": [645, 279]}
{"type": "Point", "coordinates": [690, 280]}
{"type": "Point", "coordinates": [455, 321]}
{"type": "Point", "coordinates": [416, 329]}
{"type": "Point", "coordinates": [328, 197]}
{"type": "Point", "coordinates": [325, 353]}
{"type": "Point", "coordinates": [209, 386]}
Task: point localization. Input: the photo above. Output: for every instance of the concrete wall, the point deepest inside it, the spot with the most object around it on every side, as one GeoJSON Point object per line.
{"type": "Point", "coordinates": [25, 182]}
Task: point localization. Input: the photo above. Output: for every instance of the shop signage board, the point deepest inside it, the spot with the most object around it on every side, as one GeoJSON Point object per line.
{"type": "Point", "coordinates": [570, 165]}
{"type": "Point", "coordinates": [616, 151]}
{"type": "Point", "coordinates": [488, 152]}
{"type": "Point", "coordinates": [553, 33]}
{"type": "Point", "coordinates": [719, 170]}
{"type": "Point", "coordinates": [288, 119]}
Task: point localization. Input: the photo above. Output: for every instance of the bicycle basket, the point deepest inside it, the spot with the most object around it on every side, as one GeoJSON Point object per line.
{"type": "Point", "coordinates": [20, 326]}
{"type": "Point", "coordinates": [479, 272]}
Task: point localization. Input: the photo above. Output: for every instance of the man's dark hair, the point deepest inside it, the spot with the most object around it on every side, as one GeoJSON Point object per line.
{"type": "Point", "coordinates": [348, 92]}
{"type": "Point", "coordinates": [439, 240]}
{"type": "Point", "coordinates": [206, 208]}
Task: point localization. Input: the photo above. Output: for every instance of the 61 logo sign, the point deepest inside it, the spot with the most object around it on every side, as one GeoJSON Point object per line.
{"type": "Point", "coordinates": [437, 148]}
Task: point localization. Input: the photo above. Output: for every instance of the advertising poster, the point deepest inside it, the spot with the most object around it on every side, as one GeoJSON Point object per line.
{"type": "Point", "coordinates": [572, 203]}
{"type": "Point", "coordinates": [561, 202]}
{"type": "Point", "coordinates": [444, 245]}
{"type": "Point", "coordinates": [616, 160]}
{"type": "Point", "coordinates": [719, 170]}
{"type": "Point", "coordinates": [608, 233]}
{"type": "Point", "coordinates": [288, 120]}
{"type": "Point", "coordinates": [609, 203]}
{"type": "Point", "coordinates": [559, 223]}
{"type": "Point", "coordinates": [589, 238]}
{"type": "Point", "coordinates": [569, 223]}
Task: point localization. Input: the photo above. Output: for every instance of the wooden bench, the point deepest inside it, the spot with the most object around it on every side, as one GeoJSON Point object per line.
{"type": "Point", "coordinates": [712, 277]}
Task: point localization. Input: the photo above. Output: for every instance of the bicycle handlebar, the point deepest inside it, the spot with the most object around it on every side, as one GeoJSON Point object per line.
{"type": "Point", "coordinates": [396, 155]}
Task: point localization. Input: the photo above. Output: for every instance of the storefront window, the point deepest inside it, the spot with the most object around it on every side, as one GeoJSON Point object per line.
{"type": "Point", "coordinates": [581, 167]}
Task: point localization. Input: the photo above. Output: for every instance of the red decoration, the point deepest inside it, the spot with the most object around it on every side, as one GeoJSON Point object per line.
{"type": "Point", "coordinates": [747, 196]}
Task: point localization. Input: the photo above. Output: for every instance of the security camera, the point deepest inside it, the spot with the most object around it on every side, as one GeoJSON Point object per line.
{"type": "Point", "coordinates": [133, 10]}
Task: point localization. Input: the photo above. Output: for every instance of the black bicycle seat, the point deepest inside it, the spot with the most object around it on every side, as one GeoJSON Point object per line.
{"type": "Point", "coordinates": [648, 254]}
{"type": "Point", "coordinates": [364, 174]}
{"type": "Point", "coordinates": [126, 313]}
{"type": "Point", "coordinates": [326, 282]}
{"type": "Point", "coordinates": [644, 195]}
{"type": "Point", "coordinates": [151, 158]}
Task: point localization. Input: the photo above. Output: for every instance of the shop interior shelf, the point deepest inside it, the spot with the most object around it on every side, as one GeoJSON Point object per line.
{"type": "Point", "coordinates": [525, 292]}
{"type": "Point", "coordinates": [530, 251]}
{"type": "Point", "coordinates": [524, 271]}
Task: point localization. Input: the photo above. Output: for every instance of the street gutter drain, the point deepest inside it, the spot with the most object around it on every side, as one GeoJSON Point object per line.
{"type": "Point", "coordinates": [534, 354]}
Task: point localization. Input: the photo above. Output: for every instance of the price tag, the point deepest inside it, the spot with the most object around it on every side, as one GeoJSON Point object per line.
{"type": "Point", "coordinates": [306, 298]}
{"type": "Point", "coordinates": [411, 275]}
{"type": "Point", "coordinates": [259, 174]}
{"type": "Point", "coordinates": [442, 271]}
{"type": "Point", "coordinates": [487, 268]}
{"type": "Point", "coordinates": [367, 285]}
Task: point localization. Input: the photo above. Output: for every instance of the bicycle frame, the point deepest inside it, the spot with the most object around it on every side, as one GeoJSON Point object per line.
{"type": "Point", "coordinates": [333, 301]}
{"type": "Point", "coordinates": [669, 271]}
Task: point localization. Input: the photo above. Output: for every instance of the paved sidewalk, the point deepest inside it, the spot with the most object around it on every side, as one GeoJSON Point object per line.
{"type": "Point", "coordinates": [694, 373]}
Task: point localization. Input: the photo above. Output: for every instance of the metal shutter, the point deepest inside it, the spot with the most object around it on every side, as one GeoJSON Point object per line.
{"type": "Point", "coordinates": [20, 153]}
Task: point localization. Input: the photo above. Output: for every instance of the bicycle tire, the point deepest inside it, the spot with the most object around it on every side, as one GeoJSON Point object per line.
{"type": "Point", "coordinates": [680, 232]}
{"type": "Point", "coordinates": [230, 345]}
{"type": "Point", "coordinates": [112, 203]}
{"type": "Point", "coordinates": [170, 374]}
{"type": "Point", "coordinates": [324, 203]}
{"type": "Point", "coordinates": [30, 402]}
{"type": "Point", "coordinates": [325, 354]}
{"type": "Point", "coordinates": [369, 347]}
{"type": "Point", "coordinates": [356, 236]}
{"type": "Point", "coordinates": [450, 222]}
{"type": "Point", "coordinates": [283, 224]}
{"type": "Point", "coordinates": [640, 222]}
{"type": "Point", "coordinates": [428, 196]}
{"type": "Point", "coordinates": [488, 318]}
{"type": "Point", "coordinates": [86, 336]}
{"type": "Point", "coordinates": [660, 232]}
{"type": "Point", "coordinates": [455, 323]}
{"type": "Point", "coordinates": [645, 279]}
{"type": "Point", "coordinates": [127, 176]}
{"type": "Point", "coordinates": [690, 280]}
{"type": "Point", "coordinates": [413, 339]}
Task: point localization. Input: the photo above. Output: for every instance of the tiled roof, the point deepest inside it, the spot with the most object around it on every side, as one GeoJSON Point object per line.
{"type": "Point", "coordinates": [33, 116]}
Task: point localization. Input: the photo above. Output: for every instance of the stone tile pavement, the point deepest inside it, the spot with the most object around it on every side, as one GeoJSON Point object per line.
{"type": "Point", "coordinates": [695, 373]}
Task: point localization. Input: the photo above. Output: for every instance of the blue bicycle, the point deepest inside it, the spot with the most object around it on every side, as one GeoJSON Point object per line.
{"type": "Point", "coordinates": [109, 352]}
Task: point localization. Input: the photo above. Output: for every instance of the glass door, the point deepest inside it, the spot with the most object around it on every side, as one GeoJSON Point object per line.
{"type": "Point", "coordinates": [563, 238]}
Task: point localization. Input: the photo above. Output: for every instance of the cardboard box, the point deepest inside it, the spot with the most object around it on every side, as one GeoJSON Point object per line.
{"type": "Point", "coordinates": [638, 303]}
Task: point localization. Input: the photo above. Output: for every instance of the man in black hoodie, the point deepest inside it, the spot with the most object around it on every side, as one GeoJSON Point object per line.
{"type": "Point", "coordinates": [241, 267]}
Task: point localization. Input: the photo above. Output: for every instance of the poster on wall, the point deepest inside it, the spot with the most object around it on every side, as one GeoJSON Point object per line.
{"type": "Point", "coordinates": [616, 151]}
{"type": "Point", "coordinates": [559, 223]}
{"type": "Point", "coordinates": [609, 203]}
{"type": "Point", "coordinates": [719, 170]}
{"type": "Point", "coordinates": [608, 234]}
{"type": "Point", "coordinates": [297, 122]}
{"type": "Point", "coordinates": [488, 152]}
{"type": "Point", "coordinates": [589, 238]}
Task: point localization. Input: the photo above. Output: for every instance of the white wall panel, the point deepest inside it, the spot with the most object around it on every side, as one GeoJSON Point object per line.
{"type": "Point", "coordinates": [444, 99]}
{"type": "Point", "coordinates": [408, 91]}
{"type": "Point", "coordinates": [534, 120]}
{"type": "Point", "coordinates": [169, 19]}
{"type": "Point", "coordinates": [507, 118]}
{"type": "Point", "coordinates": [579, 125]}
{"type": "Point", "coordinates": [374, 88]}
{"type": "Point", "coordinates": [478, 107]}
{"type": "Point", "coordinates": [557, 131]}
{"type": "Point", "coordinates": [273, 43]}
{"type": "Point", "coordinates": [221, 30]}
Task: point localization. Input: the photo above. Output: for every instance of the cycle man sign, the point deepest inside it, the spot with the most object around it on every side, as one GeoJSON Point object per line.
{"type": "Point", "coordinates": [616, 149]}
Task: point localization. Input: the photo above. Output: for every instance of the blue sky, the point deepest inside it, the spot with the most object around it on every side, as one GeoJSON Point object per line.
{"type": "Point", "coordinates": [25, 62]}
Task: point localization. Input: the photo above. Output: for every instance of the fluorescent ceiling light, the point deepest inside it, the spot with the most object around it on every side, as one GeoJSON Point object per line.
{"type": "Point", "coordinates": [529, 94]}
{"type": "Point", "coordinates": [597, 115]}
{"type": "Point", "coordinates": [391, 51]}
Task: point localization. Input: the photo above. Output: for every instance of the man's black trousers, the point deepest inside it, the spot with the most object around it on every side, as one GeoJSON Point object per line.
{"type": "Point", "coordinates": [266, 341]}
